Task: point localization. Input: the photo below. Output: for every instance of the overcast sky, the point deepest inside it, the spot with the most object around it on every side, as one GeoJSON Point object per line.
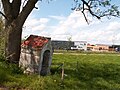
{"type": "Point", "coordinates": [58, 21]}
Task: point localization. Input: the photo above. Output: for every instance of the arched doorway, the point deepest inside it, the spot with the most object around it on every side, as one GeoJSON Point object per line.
{"type": "Point", "coordinates": [45, 63]}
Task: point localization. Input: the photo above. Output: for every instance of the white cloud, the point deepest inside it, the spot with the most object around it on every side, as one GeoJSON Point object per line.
{"type": "Point", "coordinates": [39, 27]}
{"type": "Point", "coordinates": [74, 21]}
{"type": "Point", "coordinates": [44, 20]}
{"type": "Point", "coordinates": [114, 26]}
{"type": "Point", "coordinates": [76, 27]}
{"type": "Point", "coordinates": [33, 22]}
{"type": "Point", "coordinates": [57, 17]}
{"type": "Point", "coordinates": [34, 25]}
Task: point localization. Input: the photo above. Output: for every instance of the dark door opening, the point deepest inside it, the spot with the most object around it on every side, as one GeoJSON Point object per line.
{"type": "Point", "coordinates": [45, 63]}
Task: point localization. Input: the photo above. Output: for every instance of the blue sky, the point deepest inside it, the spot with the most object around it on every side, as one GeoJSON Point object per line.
{"type": "Point", "coordinates": [58, 21]}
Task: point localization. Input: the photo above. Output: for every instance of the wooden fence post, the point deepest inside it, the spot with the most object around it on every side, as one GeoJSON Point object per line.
{"type": "Point", "coordinates": [62, 77]}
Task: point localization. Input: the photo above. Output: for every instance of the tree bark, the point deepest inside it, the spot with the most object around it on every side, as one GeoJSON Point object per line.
{"type": "Point", "coordinates": [13, 42]}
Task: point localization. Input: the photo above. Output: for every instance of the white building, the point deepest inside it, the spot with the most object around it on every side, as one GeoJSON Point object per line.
{"type": "Point", "coordinates": [80, 45]}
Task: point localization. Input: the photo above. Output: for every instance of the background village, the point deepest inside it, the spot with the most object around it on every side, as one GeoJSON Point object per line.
{"type": "Point", "coordinates": [78, 45]}
{"type": "Point", "coordinates": [83, 46]}
{"type": "Point", "coordinates": [37, 51]}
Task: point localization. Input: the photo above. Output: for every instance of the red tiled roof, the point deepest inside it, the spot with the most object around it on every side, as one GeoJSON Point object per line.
{"type": "Point", "coordinates": [35, 41]}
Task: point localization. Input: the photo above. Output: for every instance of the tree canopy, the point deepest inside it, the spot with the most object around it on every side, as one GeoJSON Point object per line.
{"type": "Point", "coordinates": [97, 8]}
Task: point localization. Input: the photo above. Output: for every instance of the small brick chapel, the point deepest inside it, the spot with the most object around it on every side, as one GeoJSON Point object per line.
{"type": "Point", "coordinates": [36, 55]}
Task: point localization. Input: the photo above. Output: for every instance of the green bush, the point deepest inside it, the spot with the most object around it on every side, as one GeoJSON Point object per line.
{"type": "Point", "coordinates": [15, 69]}
{"type": "Point", "coordinates": [3, 75]}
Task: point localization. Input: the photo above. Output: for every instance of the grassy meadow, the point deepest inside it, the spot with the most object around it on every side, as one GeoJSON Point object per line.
{"type": "Point", "coordinates": [82, 71]}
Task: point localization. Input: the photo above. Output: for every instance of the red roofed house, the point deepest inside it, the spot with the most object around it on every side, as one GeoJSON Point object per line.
{"type": "Point", "coordinates": [36, 55]}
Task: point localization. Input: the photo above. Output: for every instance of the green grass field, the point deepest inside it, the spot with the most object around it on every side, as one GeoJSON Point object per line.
{"type": "Point", "coordinates": [82, 72]}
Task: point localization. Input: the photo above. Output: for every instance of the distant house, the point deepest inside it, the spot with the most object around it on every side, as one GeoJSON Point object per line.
{"type": "Point", "coordinates": [98, 47]}
{"type": "Point", "coordinates": [90, 47]}
{"type": "Point", "coordinates": [36, 55]}
{"type": "Point", "coordinates": [114, 48]}
{"type": "Point", "coordinates": [103, 47]}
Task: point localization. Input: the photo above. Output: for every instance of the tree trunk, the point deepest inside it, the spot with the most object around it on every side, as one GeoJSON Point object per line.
{"type": "Point", "coordinates": [14, 20]}
{"type": "Point", "coordinates": [13, 42]}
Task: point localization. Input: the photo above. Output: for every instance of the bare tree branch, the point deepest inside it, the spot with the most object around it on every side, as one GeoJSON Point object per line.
{"type": "Point", "coordinates": [89, 9]}
{"type": "Point", "coordinates": [6, 6]}
{"type": "Point", "coordinates": [85, 17]}
{"type": "Point", "coordinates": [16, 8]}
{"type": "Point", "coordinates": [27, 10]}
{"type": "Point", "coordinates": [84, 14]}
{"type": "Point", "coordinates": [24, 3]}
{"type": "Point", "coordinates": [105, 8]}
{"type": "Point", "coordinates": [3, 15]}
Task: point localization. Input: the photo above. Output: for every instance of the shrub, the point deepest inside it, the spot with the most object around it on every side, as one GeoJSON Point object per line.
{"type": "Point", "coordinates": [15, 69]}
{"type": "Point", "coordinates": [3, 75]}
